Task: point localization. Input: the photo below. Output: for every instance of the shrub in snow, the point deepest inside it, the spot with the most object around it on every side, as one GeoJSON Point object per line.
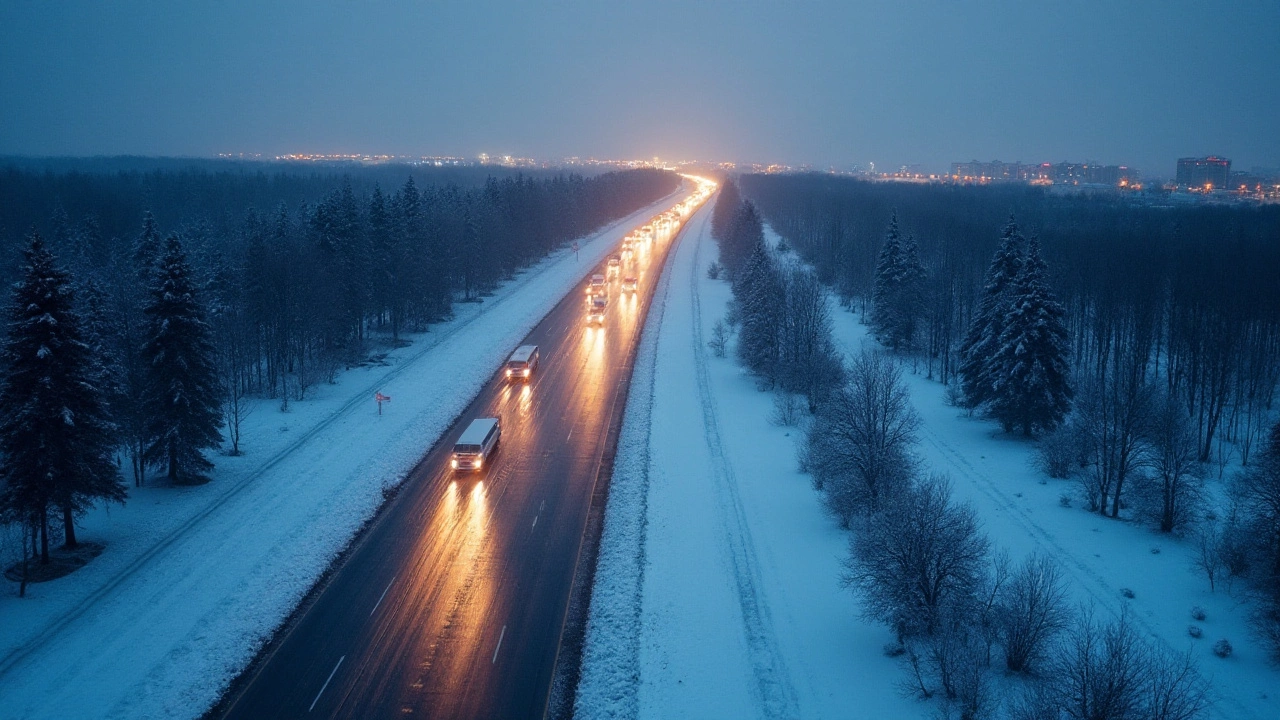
{"type": "Point", "coordinates": [786, 409]}
{"type": "Point", "coordinates": [1198, 613]}
{"type": "Point", "coordinates": [1195, 631]}
{"type": "Point", "coordinates": [1058, 452]}
{"type": "Point", "coordinates": [1266, 622]}
{"type": "Point", "coordinates": [859, 444]}
{"type": "Point", "coordinates": [919, 556]}
{"type": "Point", "coordinates": [1032, 611]}
{"type": "Point", "coordinates": [713, 271]}
{"type": "Point", "coordinates": [1065, 500]}
{"type": "Point", "coordinates": [954, 395]}
{"type": "Point", "coordinates": [1222, 648]}
{"type": "Point", "coordinates": [1108, 671]}
{"type": "Point", "coordinates": [719, 342]}
{"type": "Point", "coordinates": [1127, 593]}
{"type": "Point", "coordinates": [894, 649]}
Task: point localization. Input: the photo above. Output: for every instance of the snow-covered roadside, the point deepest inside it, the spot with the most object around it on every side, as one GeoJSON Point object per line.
{"type": "Point", "coordinates": [194, 580]}
{"type": "Point", "coordinates": [717, 589]}
{"type": "Point", "coordinates": [1021, 512]}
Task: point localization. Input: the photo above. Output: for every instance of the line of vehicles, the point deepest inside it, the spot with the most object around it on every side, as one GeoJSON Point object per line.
{"type": "Point", "coordinates": [479, 441]}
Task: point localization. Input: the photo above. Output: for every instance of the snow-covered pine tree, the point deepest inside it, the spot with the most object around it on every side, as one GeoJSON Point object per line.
{"type": "Point", "coordinates": [982, 341]}
{"type": "Point", "coordinates": [761, 299]}
{"type": "Point", "coordinates": [746, 232]}
{"type": "Point", "coordinates": [181, 398]}
{"type": "Point", "coordinates": [1029, 372]}
{"type": "Point", "coordinates": [56, 439]}
{"type": "Point", "coordinates": [728, 201]}
{"type": "Point", "coordinates": [889, 274]}
{"type": "Point", "coordinates": [897, 300]}
{"type": "Point", "coordinates": [911, 293]}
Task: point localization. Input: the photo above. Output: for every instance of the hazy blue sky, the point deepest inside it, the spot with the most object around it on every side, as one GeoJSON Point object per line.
{"type": "Point", "coordinates": [891, 82]}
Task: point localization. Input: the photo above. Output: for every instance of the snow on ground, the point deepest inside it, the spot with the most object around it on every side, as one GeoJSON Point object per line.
{"type": "Point", "coordinates": [194, 580]}
{"type": "Point", "coordinates": [717, 593]}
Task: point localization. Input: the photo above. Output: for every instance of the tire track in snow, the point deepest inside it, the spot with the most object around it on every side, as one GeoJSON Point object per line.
{"type": "Point", "coordinates": [93, 599]}
{"type": "Point", "coordinates": [773, 683]}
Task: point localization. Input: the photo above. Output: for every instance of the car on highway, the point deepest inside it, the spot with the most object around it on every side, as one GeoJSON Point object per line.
{"type": "Point", "coordinates": [596, 286]}
{"type": "Point", "coordinates": [615, 261]}
{"type": "Point", "coordinates": [595, 310]}
{"type": "Point", "coordinates": [476, 444]}
{"type": "Point", "coordinates": [522, 362]}
{"type": "Point", "coordinates": [630, 284]}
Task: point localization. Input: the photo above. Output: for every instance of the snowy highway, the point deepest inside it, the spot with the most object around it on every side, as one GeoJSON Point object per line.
{"type": "Point", "coordinates": [452, 603]}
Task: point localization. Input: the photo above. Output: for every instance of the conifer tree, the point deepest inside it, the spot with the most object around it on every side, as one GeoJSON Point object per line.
{"type": "Point", "coordinates": [761, 298]}
{"type": "Point", "coordinates": [1029, 372]}
{"type": "Point", "coordinates": [897, 300]}
{"type": "Point", "coordinates": [982, 341]}
{"type": "Point", "coordinates": [182, 393]}
{"type": "Point", "coordinates": [55, 436]}
{"type": "Point", "coordinates": [728, 202]}
{"type": "Point", "coordinates": [745, 234]}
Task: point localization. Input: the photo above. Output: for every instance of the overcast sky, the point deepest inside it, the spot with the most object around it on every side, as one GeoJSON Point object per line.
{"type": "Point", "coordinates": [894, 83]}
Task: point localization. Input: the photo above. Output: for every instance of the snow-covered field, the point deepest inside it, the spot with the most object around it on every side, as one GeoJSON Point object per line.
{"type": "Point", "coordinates": [718, 595]}
{"type": "Point", "coordinates": [194, 580]}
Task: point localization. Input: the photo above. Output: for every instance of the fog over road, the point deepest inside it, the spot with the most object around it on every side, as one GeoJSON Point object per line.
{"type": "Point", "coordinates": [451, 605]}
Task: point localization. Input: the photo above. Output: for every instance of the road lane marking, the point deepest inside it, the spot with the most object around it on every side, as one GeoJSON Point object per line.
{"type": "Point", "coordinates": [535, 522]}
{"type": "Point", "coordinates": [542, 507]}
{"type": "Point", "coordinates": [495, 650]}
{"type": "Point", "coordinates": [326, 683]}
{"type": "Point", "coordinates": [570, 436]}
{"type": "Point", "coordinates": [384, 594]}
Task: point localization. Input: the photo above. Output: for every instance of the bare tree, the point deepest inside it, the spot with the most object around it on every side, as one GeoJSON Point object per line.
{"type": "Point", "coordinates": [859, 446]}
{"type": "Point", "coordinates": [916, 558]}
{"type": "Point", "coordinates": [1114, 415]}
{"type": "Point", "coordinates": [1033, 610]}
{"type": "Point", "coordinates": [1172, 491]}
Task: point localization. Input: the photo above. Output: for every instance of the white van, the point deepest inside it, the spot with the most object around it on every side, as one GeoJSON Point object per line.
{"type": "Point", "coordinates": [476, 444]}
{"type": "Point", "coordinates": [522, 362]}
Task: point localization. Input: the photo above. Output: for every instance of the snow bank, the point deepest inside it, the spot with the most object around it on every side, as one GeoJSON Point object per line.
{"type": "Point", "coordinates": [195, 580]}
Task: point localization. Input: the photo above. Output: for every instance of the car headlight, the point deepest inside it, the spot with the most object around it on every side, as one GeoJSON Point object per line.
{"type": "Point", "coordinates": [508, 373]}
{"type": "Point", "coordinates": [454, 463]}
{"type": "Point", "coordinates": [526, 372]}
{"type": "Point", "coordinates": [479, 462]}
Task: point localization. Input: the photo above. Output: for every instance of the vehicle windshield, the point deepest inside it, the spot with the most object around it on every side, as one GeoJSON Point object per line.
{"type": "Point", "coordinates": [466, 449]}
{"type": "Point", "coordinates": [516, 364]}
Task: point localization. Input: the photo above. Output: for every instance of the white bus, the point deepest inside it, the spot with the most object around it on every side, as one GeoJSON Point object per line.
{"type": "Point", "coordinates": [522, 362]}
{"type": "Point", "coordinates": [476, 444]}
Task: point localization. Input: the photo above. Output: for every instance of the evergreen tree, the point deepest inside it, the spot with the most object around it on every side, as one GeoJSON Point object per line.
{"type": "Point", "coordinates": [983, 339]}
{"type": "Point", "coordinates": [728, 202]}
{"type": "Point", "coordinates": [182, 391]}
{"type": "Point", "coordinates": [761, 298]}
{"type": "Point", "coordinates": [744, 236]}
{"type": "Point", "coordinates": [897, 300]}
{"type": "Point", "coordinates": [1029, 372]}
{"type": "Point", "coordinates": [55, 436]}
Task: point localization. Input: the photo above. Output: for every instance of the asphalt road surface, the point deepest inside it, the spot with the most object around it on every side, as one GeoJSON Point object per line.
{"type": "Point", "coordinates": [451, 605]}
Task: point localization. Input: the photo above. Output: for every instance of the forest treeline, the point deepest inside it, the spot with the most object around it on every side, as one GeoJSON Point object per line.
{"type": "Point", "coordinates": [1180, 297]}
{"type": "Point", "coordinates": [961, 611]}
{"type": "Point", "coordinates": [160, 331]}
{"type": "Point", "coordinates": [1140, 344]}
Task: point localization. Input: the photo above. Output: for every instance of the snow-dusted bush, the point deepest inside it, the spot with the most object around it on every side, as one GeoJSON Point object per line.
{"type": "Point", "coordinates": [1032, 611]}
{"type": "Point", "coordinates": [1195, 631]}
{"type": "Point", "coordinates": [1223, 648]}
{"type": "Point", "coordinates": [1057, 454]}
{"type": "Point", "coordinates": [1106, 671]}
{"type": "Point", "coordinates": [719, 341]}
{"type": "Point", "coordinates": [787, 409]}
{"type": "Point", "coordinates": [859, 445]}
{"type": "Point", "coordinates": [918, 557]}
{"type": "Point", "coordinates": [714, 270]}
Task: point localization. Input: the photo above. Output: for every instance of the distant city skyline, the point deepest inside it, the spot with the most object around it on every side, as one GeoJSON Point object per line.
{"type": "Point", "coordinates": [821, 84]}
